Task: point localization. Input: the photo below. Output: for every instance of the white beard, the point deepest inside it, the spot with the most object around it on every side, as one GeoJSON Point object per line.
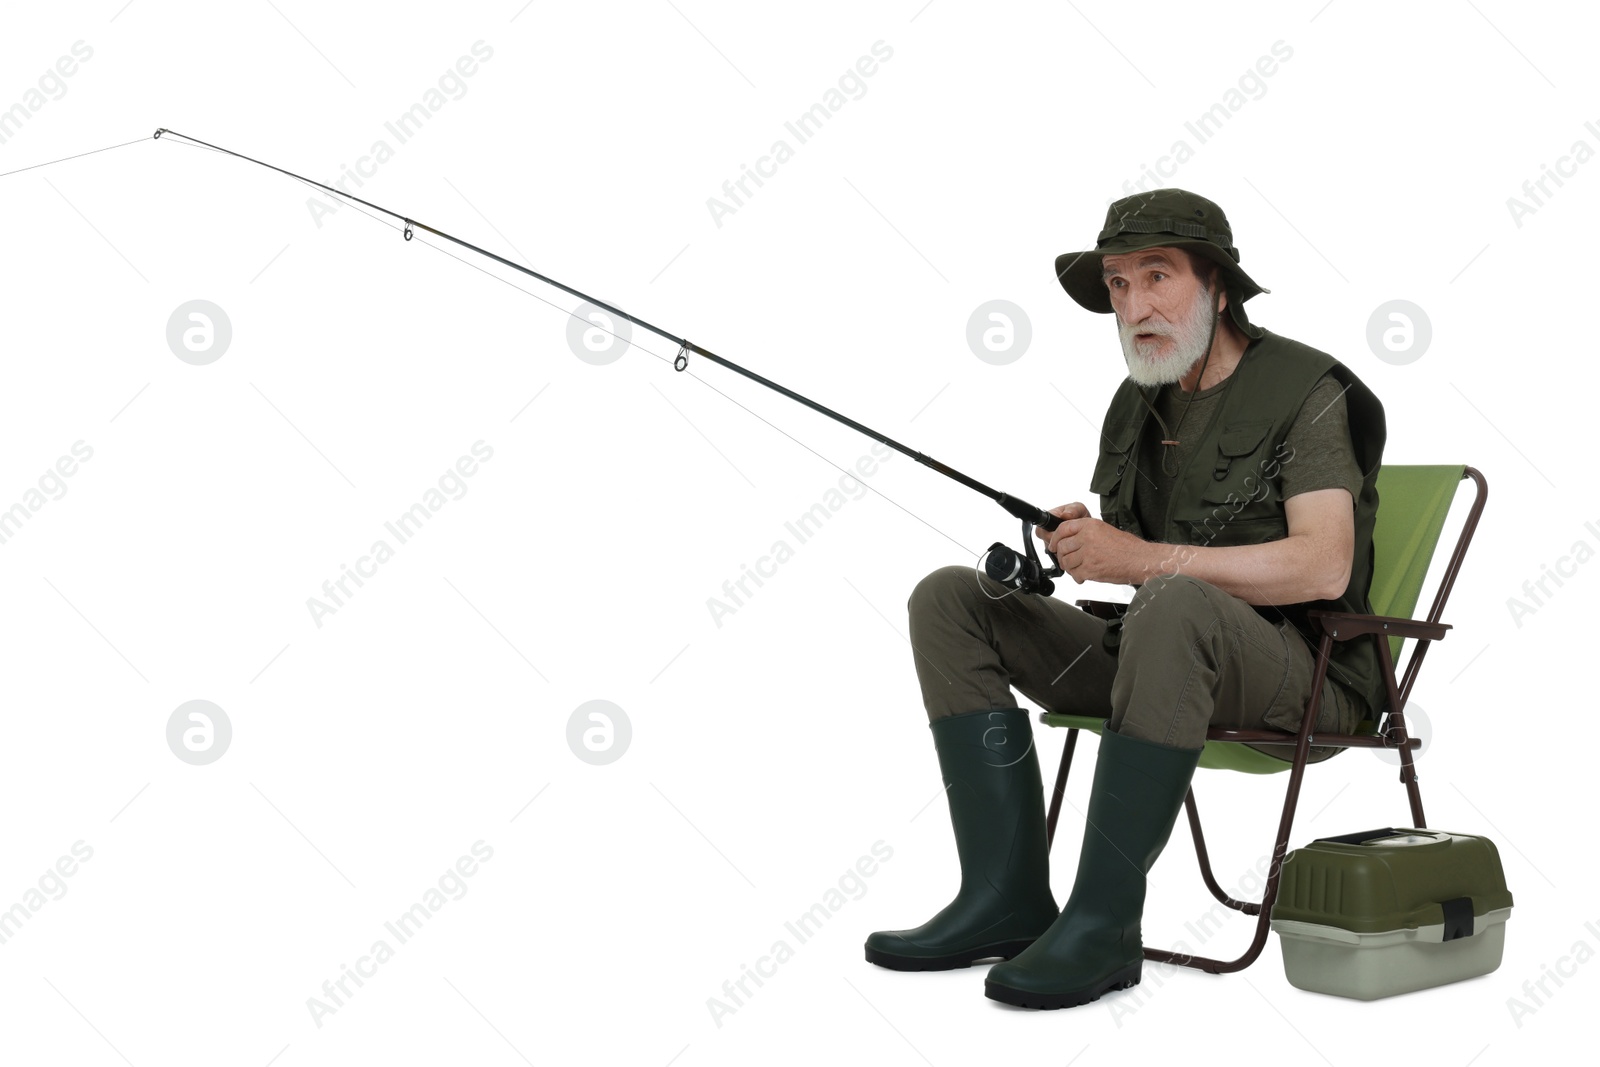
{"type": "Point", "coordinates": [1177, 348]}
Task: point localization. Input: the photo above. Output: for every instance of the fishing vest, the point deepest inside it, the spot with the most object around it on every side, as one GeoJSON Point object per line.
{"type": "Point", "coordinates": [1229, 490]}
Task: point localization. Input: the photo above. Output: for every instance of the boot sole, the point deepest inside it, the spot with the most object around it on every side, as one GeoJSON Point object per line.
{"type": "Point", "coordinates": [1126, 978]}
{"type": "Point", "coordinates": [1002, 950]}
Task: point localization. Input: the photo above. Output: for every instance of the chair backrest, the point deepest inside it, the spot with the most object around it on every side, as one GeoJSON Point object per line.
{"type": "Point", "coordinates": [1412, 504]}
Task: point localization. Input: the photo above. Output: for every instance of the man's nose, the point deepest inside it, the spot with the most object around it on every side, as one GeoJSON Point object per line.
{"type": "Point", "coordinates": [1136, 305]}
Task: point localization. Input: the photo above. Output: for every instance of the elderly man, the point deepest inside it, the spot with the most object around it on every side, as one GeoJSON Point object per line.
{"type": "Point", "coordinates": [1236, 490]}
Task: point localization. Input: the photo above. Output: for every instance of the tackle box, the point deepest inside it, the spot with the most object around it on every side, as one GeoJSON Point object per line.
{"type": "Point", "coordinates": [1390, 911]}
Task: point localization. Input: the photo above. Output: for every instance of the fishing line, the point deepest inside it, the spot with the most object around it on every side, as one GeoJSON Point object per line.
{"type": "Point", "coordinates": [80, 155]}
{"type": "Point", "coordinates": [1021, 571]}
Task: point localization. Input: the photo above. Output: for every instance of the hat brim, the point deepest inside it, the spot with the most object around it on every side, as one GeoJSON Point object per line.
{"type": "Point", "coordinates": [1079, 272]}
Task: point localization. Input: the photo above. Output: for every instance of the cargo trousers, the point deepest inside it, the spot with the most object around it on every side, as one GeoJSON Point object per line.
{"type": "Point", "coordinates": [1189, 656]}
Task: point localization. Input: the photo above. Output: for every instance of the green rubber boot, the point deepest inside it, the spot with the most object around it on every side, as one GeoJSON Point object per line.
{"type": "Point", "coordinates": [1094, 946]}
{"type": "Point", "coordinates": [991, 775]}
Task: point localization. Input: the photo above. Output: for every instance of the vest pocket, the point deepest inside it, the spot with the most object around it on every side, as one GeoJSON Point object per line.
{"type": "Point", "coordinates": [1242, 469]}
{"type": "Point", "coordinates": [1116, 449]}
{"type": "Point", "coordinates": [1240, 504]}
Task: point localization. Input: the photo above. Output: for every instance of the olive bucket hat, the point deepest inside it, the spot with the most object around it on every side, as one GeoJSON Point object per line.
{"type": "Point", "coordinates": [1161, 218]}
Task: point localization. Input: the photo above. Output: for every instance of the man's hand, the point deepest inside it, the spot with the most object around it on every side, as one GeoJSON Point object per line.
{"type": "Point", "coordinates": [1092, 550]}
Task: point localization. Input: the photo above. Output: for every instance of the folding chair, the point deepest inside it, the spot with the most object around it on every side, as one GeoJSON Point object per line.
{"type": "Point", "coordinates": [1413, 503]}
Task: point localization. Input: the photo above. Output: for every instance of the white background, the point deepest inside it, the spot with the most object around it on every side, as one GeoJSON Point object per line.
{"type": "Point", "coordinates": [768, 753]}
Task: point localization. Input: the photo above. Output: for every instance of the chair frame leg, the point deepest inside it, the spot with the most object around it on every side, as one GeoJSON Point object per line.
{"type": "Point", "coordinates": [1060, 788]}
{"type": "Point", "coordinates": [1205, 861]}
{"type": "Point", "coordinates": [1291, 800]}
{"type": "Point", "coordinates": [1280, 848]}
{"type": "Point", "coordinates": [1396, 729]}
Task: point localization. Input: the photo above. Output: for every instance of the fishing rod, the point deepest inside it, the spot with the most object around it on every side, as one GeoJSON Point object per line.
{"type": "Point", "coordinates": [1022, 571]}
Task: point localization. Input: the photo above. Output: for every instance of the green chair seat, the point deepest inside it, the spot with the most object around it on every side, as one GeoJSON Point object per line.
{"type": "Point", "coordinates": [1217, 755]}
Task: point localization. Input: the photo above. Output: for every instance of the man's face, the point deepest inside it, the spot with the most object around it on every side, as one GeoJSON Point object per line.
{"type": "Point", "coordinates": [1165, 316]}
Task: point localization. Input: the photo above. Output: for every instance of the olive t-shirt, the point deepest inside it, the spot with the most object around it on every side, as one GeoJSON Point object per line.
{"type": "Point", "coordinates": [1321, 457]}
